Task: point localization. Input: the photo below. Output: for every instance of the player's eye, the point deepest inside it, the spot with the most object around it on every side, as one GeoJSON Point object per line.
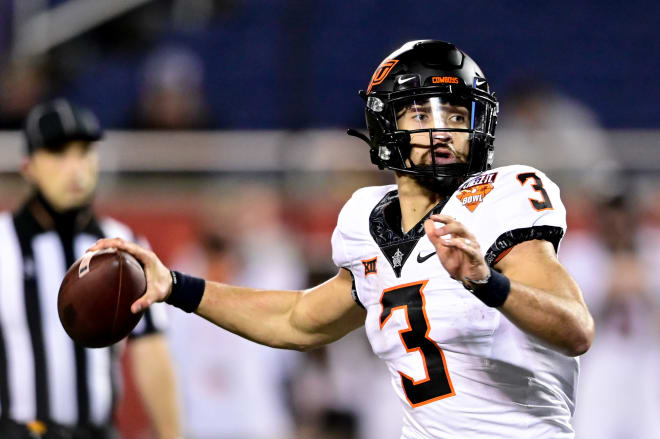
{"type": "Point", "coordinates": [457, 119]}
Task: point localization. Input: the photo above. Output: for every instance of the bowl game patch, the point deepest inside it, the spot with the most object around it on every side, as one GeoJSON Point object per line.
{"type": "Point", "coordinates": [473, 191]}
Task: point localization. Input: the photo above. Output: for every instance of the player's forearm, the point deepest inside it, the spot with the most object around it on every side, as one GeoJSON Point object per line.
{"type": "Point", "coordinates": [263, 316]}
{"type": "Point", "coordinates": [554, 317]}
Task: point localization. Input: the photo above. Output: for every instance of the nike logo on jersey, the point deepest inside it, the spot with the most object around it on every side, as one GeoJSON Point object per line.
{"type": "Point", "coordinates": [421, 258]}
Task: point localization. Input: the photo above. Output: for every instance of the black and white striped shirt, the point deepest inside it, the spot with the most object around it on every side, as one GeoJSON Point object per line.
{"type": "Point", "coordinates": [44, 375]}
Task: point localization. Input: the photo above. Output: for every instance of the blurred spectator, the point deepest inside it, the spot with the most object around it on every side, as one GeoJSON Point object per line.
{"type": "Point", "coordinates": [313, 397]}
{"type": "Point", "coordinates": [333, 390]}
{"type": "Point", "coordinates": [543, 128]}
{"type": "Point", "coordinates": [171, 92]}
{"type": "Point", "coordinates": [22, 86]}
{"type": "Point", "coordinates": [6, 29]}
{"type": "Point", "coordinates": [619, 380]}
{"type": "Point", "coordinates": [233, 388]}
{"type": "Point", "coordinates": [359, 378]}
{"type": "Point", "coordinates": [336, 424]}
{"type": "Point", "coordinates": [271, 256]}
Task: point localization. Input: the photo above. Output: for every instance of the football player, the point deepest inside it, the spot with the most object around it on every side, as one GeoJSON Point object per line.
{"type": "Point", "coordinates": [452, 270]}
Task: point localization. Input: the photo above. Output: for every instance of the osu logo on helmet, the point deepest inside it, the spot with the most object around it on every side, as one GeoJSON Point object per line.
{"type": "Point", "coordinates": [381, 72]}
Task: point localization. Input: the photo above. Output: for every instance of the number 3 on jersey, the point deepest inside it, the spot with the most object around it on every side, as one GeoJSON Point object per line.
{"type": "Point", "coordinates": [415, 338]}
{"type": "Point", "coordinates": [539, 205]}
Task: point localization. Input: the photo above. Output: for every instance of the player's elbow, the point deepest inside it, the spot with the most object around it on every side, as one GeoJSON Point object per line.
{"type": "Point", "coordinates": [578, 347]}
{"type": "Point", "coordinates": [581, 338]}
{"type": "Point", "coordinates": [307, 347]}
{"type": "Point", "coordinates": [309, 342]}
{"type": "Point", "coordinates": [300, 346]}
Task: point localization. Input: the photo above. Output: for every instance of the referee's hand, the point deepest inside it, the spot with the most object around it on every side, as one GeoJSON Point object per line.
{"type": "Point", "coordinates": [159, 279]}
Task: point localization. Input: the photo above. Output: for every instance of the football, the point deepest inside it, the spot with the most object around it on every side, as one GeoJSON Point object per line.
{"type": "Point", "coordinates": [95, 297]}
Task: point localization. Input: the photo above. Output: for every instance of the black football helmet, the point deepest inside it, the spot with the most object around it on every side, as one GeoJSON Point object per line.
{"type": "Point", "coordinates": [426, 74]}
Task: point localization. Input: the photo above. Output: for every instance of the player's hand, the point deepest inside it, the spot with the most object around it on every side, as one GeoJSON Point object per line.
{"type": "Point", "coordinates": [459, 252]}
{"type": "Point", "coordinates": [159, 279]}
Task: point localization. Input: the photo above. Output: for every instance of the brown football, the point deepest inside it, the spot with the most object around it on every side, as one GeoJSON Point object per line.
{"type": "Point", "coordinates": [94, 302]}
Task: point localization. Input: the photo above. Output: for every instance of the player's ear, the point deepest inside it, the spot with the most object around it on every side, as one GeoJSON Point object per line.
{"type": "Point", "coordinates": [26, 169]}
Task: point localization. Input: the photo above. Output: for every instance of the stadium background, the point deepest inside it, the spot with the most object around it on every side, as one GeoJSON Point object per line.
{"type": "Point", "coordinates": [226, 149]}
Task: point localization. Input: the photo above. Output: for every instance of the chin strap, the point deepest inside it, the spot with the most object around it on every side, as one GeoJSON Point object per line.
{"type": "Point", "coordinates": [359, 135]}
{"type": "Point", "coordinates": [356, 133]}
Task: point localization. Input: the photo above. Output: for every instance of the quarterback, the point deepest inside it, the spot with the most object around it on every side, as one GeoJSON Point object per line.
{"type": "Point", "coordinates": [452, 270]}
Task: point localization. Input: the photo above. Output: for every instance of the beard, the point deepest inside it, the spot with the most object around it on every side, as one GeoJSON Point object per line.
{"type": "Point", "coordinates": [444, 186]}
{"type": "Point", "coordinates": [446, 183]}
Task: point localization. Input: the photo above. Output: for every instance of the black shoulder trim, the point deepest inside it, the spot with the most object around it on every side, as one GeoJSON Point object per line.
{"type": "Point", "coordinates": [508, 239]}
{"type": "Point", "coordinates": [354, 294]}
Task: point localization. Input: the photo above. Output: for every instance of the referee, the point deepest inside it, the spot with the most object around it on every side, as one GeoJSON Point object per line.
{"type": "Point", "coordinates": [50, 387]}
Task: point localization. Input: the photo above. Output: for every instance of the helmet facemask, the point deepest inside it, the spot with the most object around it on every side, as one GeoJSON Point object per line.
{"type": "Point", "coordinates": [439, 137]}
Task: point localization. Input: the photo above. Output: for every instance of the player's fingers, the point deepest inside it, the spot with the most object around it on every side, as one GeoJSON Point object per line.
{"type": "Point", "coordinates": [141, 304]}
{"type": "Point", "coordinates": [132, 248]}
{"type": "Point", "coordinates": [429, 228]}
{"type": "Point", "coordinates": [434, 229]}
{"type": "Point", "coordinates": [442, 218]}
{"type": "Point", "coordinates": [105, 243]}
{"type": "Point", "coordinates": [144, 256]}
{"type": "Point", "coordinates": [456, 228]}
{"type": "Point", "coordinates": [468, 246]}
{"type": "Point", "coordinates": [154, 293]}
{"type": "Point", "coordinates": [118, 243]}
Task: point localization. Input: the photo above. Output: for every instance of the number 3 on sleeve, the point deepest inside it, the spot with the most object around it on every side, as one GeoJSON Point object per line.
{"type": "Point", "coordinates": [539, 205]}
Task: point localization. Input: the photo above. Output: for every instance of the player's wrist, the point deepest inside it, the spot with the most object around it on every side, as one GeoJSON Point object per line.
{"type": "Point", "coordinates": [185, 291]}
{"type": "Point", "coordinates": [168, 293]}
{"type": "Point", "coordinates": [470, 282]}
{"type": "Point", "coordinates": [493, 290]}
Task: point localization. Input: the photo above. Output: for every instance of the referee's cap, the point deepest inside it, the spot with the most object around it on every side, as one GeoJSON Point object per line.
{"type": "Point", "coordinates": [51, 125]}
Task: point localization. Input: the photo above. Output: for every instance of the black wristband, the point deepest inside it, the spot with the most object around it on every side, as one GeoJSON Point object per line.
{"type": "Point", "coordinates": [187, 291]}
{"type": "Point", "coordinates": [494, 292]}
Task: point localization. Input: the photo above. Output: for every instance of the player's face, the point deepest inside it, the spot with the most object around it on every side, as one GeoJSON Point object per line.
{"type": "Point", "coordinates": [448, 146]}
{"type": "Point", "coordinates": [66, 177]}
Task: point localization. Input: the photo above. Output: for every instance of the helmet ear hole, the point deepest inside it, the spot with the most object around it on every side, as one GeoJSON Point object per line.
{"type": "Point", "coordinates": [384, 153]}
{"type": "Point", "coordinates": [491, 156]}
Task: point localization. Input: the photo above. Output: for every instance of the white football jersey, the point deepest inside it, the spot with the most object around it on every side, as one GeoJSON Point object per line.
{"type": "Point", "coordinates": [460, 368]}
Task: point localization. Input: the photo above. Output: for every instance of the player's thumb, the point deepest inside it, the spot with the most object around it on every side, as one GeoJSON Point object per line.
{"type": "Point", "coordinates": [141, 304]}
{"type": "Point", "coordinates": [429, 228]}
